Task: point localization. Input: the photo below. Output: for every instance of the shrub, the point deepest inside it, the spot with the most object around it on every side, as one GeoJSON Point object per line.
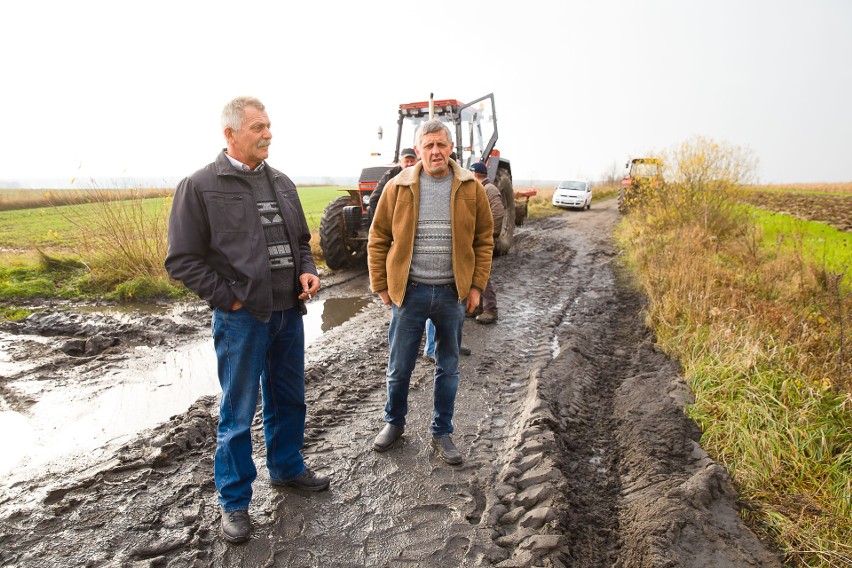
{"type": "Point", "coordinates": [123, 238]}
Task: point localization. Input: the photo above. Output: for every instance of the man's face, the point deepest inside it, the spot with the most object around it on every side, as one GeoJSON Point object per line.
{"type": "Point", "coordinates": [250, 144]}
{"type": "Point", "coordinates": [434, 150]}
{"type": "Point", "coordinates": [408, 161]}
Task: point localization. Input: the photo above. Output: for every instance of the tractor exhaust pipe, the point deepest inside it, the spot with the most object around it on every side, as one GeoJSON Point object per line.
{"type": "Point", "coordinates": [431, 106]}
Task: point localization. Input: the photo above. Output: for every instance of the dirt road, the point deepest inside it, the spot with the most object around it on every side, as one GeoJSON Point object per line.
{"type": "Point", "coordinates": [577, 451]}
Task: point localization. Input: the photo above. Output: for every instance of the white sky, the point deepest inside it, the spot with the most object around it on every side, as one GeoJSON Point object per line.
{"type": "Point", "coordinates": [115, 89]}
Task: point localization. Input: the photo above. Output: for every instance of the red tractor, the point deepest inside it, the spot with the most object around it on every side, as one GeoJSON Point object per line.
{"type": "Point", "coordinates": [644, 176]}
{"type": "Point", "coordinates": [346, 220]}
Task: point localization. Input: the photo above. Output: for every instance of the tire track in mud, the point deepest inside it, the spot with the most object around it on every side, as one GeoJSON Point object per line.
{"type": "Point", "coordinates": [577, 452]}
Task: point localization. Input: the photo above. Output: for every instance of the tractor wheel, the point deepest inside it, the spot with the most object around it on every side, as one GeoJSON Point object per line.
{"type": "Point", "coordinates": [335, 250]}
{"type": "Point", "coordinates": [521, 210]}
{"type": "Point", "coordinates": [503, 242]}
{"type": "Point", "coordinates": [622, 201]}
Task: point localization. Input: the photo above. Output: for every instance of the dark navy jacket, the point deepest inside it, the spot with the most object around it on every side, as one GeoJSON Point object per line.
{"type": "Point", "coordinates": [216, 242]}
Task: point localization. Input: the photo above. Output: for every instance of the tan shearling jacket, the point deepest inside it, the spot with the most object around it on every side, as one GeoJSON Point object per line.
{"type": "Point", "coordinates": [391, 241]}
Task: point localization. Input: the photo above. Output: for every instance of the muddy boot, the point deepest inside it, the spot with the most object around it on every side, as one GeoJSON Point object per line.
{"type": "Point", "coordinates": [308, 481]}
{"type": "Point", "coordinates": [386, 438]}
{"type": "Point", "coordinates": [236, 526]}
{"type": "Point", "coordinates": [446, 449]}
{"type": "Point", "coordinates": [487, 317]}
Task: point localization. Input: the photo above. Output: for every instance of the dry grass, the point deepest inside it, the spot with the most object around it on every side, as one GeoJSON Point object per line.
{"type": "Point", "coordinates": [14, 199]}
{"type": "Point", "coordinates": [762, 333]}
{"type": "Point", "coordinates": [123, 233]}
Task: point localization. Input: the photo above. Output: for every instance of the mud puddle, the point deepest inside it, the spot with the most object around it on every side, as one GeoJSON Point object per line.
{"type": "Point", "coordinates": [58, 420]}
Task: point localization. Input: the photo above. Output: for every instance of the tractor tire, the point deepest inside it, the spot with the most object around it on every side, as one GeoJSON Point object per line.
{"type": "Point", "coordinates": [521, 211]}
{"type": "Point", "coordinates": [503, 242]}
{"type": "Point", "coordinates": [622, 201]}
{"type": "Point", "coordinates": [336, 252]}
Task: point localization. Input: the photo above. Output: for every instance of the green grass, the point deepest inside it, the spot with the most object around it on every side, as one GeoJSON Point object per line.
{"type": "Point", "coordinates": [43, 276]}
{"type": "Point", "coordinates": [53, 228]}
{"type": "Point", "coordinates": [314, 200]}
{"type": "Point", "coordinates": [59, 252]}
{"type": "Point", "coordinates": [814, 241]}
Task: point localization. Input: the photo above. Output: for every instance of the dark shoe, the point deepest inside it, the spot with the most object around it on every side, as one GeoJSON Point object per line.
{"type": "Point", "coordinates": [446, 449]}
{"type": "Point", "coordinates": [236, 526]}
{"type": "Point", "coordinates": [487, 317]}
{"type": "Point", "coordinates": [464, 350]}
{"type": "Point", "coordinates": [386, 438]}
{"type": "Point", "coordinates": [308, 481]}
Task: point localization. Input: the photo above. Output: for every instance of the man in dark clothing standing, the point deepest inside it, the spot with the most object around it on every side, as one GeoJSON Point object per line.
{"type": "Point", "coordinates": [239, 239]}
{"type": "Point", "coordinates": [408, 157]}
{"type": "Point", "coordinates": [498, 213]}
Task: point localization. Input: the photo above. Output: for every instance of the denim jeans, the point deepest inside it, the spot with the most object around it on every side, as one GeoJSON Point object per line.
{"type": "Point", "coordinates": [441, 305]}
{"type": "Point", "coordinates": [429, 347]}
{"type": "Point", "coordinates": [270, 356]}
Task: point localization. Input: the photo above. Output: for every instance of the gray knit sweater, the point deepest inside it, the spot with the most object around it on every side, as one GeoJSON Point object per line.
{"type": "Point", "coordinates": [432, 259]}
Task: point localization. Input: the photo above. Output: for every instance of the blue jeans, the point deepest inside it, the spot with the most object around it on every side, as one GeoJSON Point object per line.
{"type": "Point", "coordinates": [441, 305]}
{"type": "Point", "coordinates": [270, 356]}
{"type": "Point", "coordinates": [429, 348]}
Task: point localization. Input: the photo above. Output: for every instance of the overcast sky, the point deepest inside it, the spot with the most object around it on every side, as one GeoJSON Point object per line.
{"type": "Point", "coordinates": [118, 89]}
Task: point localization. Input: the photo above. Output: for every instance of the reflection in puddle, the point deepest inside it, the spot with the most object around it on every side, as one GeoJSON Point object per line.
{"type": "Point", "coordinates": [337, 310]}
{"type": "Point", "coordinates": [146, 390]}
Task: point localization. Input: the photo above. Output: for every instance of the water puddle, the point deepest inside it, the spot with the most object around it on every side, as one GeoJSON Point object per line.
{"type": "Point", "coordinates": [148, 388]}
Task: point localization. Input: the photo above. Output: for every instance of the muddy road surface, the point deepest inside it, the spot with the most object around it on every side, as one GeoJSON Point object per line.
{"type": "Point", "coordinates": [576, 448]}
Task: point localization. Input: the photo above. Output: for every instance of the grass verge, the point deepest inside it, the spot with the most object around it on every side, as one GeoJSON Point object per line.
{"type": "Point", "coordinates": [758, 318]}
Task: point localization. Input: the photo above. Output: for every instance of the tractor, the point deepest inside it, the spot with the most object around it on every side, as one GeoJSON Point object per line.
{"type": "Point", "coordinates": [644, 176]}
{"type": "Point", "coordinates": [345, 223]}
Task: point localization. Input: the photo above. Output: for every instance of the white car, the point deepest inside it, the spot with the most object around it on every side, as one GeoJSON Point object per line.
{"type": "Point", "coordinates": [573, 193]}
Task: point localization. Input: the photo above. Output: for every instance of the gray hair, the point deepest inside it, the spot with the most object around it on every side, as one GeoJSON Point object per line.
{"type": "Point", "coordinates": [431, 126]}
{"type": "Point", "coordinates": [234, 112]}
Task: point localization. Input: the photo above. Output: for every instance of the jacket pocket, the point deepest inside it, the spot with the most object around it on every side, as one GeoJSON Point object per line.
{"type": "Point", "coordinates": [226, 212]}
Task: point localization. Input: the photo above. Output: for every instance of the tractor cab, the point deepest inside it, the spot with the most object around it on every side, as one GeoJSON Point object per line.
{"type": "Point", "coordinates": [345, 224]}
{"type": "Point", "coordinates": [473, 127]}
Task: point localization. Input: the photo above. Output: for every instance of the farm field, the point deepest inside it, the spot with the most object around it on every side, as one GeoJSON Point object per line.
{"type": "Point", "coordinates": [56, 228]}
{"type": "Point", "coordinates": [831, 204]}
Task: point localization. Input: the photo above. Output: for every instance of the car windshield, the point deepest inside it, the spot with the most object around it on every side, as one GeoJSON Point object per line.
{"type": "Point", "coordinates": [580, 185]}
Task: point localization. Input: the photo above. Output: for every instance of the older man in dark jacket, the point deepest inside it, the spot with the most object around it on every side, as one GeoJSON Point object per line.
{"type": "Point", "coordinates": [239, 239]}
